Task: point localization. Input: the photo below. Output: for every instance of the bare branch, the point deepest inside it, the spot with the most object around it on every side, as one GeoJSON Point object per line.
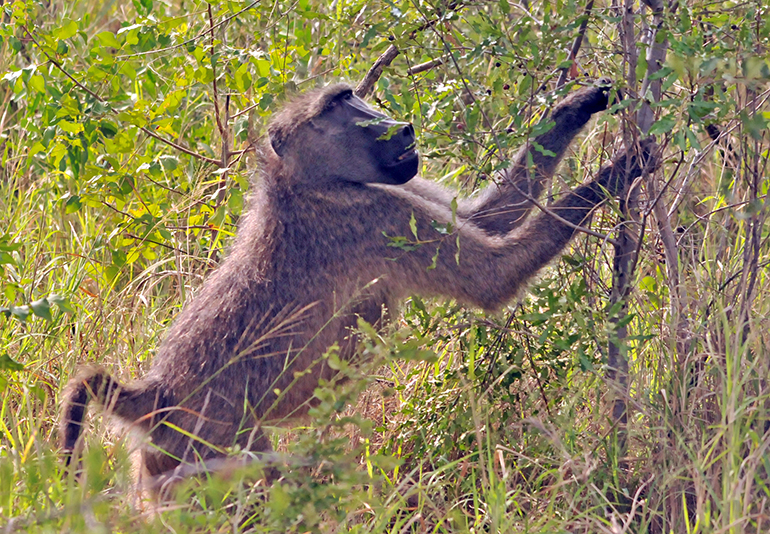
{"type": "Point", "coordinates": [576, 45]}
{"type": "Point", "coordinates": [375, 72]}
{"type": "Point", "coordinates": [222, 126]}
{"type": "Point", "coordinates": [422, 67]}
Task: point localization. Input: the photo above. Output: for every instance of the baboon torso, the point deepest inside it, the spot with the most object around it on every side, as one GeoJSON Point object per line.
{"type": "Point", "coordinates": [311, 256]}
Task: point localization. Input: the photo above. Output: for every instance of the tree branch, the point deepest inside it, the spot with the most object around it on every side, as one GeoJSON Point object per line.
{"type": "Point", "coordinates": [363, 88]}
{"type": "Point", "coordinates": [223, 132]}
{"type": "Point", "coordinates": [576, 45]}
{"type": "Point", "coordinates": [422, 67]}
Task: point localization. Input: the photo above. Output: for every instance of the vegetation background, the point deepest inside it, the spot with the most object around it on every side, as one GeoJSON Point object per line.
{"type": "Point", "coordinates": [626, 391]}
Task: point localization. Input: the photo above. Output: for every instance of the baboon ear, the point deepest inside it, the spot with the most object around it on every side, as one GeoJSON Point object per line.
{"type": "Point", "coordinates": [277, 140]}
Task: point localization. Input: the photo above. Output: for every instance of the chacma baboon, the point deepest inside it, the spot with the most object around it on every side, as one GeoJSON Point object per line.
{"type": "Point", "coordinates": [311, 256]}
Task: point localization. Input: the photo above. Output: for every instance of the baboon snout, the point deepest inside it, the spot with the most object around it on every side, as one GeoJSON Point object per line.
{"type": "Point", "coordinates": [407, 133]}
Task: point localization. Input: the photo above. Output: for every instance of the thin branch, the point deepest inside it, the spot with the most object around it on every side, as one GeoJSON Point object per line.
{"type": "Point", "coordinates": [422, 67]}
{"type": "Point", "coordinates": [244, 111]}
{"type": "Point", "coordinates": [576, 45]}
{"type": "Point", "coordinates": [562, 220]}
{"type": "Point", "coordinates": [222, 126]}
{"type": "Point", "coordinates": [375, 72]}
{"type": "Point", "coordinates": [214, 76]}
{"type": "Point", "coordinates": [178, 147]}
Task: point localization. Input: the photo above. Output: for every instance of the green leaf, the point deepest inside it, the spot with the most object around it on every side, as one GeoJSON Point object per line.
{"type": "Point", "coordinates": [662, 125]}
{"type": "Point", "coordinates": [109, 129]}
{"type": "Point", "coordinates": [8, 364]}
{"type": "Point", "coordinates": [72, 204]}
{"type": "Point", "coordinates": [108, 39]}
{"type": "Point", "coordinates": [61, 303]}
{"type": "Point", "coordinates": [42, 308]}
{"type": "Point", "coordinates": [66, 31]}
{"type": "Point", "coordinates": [20, 312]}
{"type": "Point", "coordinates": [73, 128]}
{"type": "Point", "coordinates": [37, 82]}
{"type": "Point", "coordinates": [413, 226]}
{"type": "Point", "coordinates": [169, 163]}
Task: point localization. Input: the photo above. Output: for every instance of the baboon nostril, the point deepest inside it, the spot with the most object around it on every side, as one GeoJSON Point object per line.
{"type": "Point", "coordinates": [408, 131]}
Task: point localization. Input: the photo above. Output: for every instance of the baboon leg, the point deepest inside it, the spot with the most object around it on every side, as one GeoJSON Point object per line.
{"type": "Point", "coordinates": [132, 402]}
{"type": "Point", "coordinates": [157, 462]}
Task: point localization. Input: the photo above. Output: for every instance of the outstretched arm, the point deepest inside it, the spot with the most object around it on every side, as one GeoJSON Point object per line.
{"type": "Point", "coordinates": [492, 268]}
{"type": "Point", "coordinates": [504, 206]}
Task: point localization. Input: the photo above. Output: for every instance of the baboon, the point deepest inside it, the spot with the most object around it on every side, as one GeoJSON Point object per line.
{"type": "Point", "coordinates": [312, 255]}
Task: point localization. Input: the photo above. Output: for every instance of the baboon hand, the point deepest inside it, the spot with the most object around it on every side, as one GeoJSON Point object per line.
{"type": "Point", "coordinates": [580, 105]}
{"type": "Point", "coordinates": [618, 177]}
{"type": "Point", "coordinates": [595, 98]}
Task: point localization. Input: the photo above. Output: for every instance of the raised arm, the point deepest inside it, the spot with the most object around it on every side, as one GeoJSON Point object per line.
{"type": "Point", "coordinates": [503, 206]}
{"type": "Point", "coordinates": [492, 268]}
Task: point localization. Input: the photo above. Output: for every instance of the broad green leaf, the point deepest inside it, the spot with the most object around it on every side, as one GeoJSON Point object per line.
{"type": "Point", "coordinates": [72, 204]}
{"type": "Point", "coordinates": [66, 31]}
{"type": "Point", "coordinates": [37, 82]}
{"type": "Point", "coordinates": [8, 364]}
{"type": "Point", "coordinates": [662, 125]}
{"type": "Point", "coordinates": [41, 308]}
{"type": "Point", "coordinates": [108, 39]}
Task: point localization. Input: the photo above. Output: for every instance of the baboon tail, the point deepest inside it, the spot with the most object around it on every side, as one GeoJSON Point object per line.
{"type": "Point", "coordinates": [129, 402]}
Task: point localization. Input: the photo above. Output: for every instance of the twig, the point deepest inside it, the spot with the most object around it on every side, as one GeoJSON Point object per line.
{"type": "Point", "coordinates": [222, 126]}
{"type": "Point", "coordinates": [244, 111]}
{"type": "Point", "coordinates": [375, 72]}
{"type": "Point", "coordinates": [365, 86]}
{"type": "Point", "coordinates": [576, 45]}
{"type": "Point", "coordinates": [562, 220]}
{"type": "Point", "coordinates": [149, 132]}
{"type": "Point", "coordinates": [422, 67]}
{"type": "Point", "coordinates": [214, 76]}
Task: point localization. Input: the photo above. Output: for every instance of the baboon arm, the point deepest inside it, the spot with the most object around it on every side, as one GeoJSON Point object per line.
{"type": "Point", "coordinates": [503, 206]}
{"type": "Point", "coordinates": [488, 270]}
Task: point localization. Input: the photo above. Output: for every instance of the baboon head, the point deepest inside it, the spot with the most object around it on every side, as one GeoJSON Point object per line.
{"type": "Point", "coordinates": [332, 135]}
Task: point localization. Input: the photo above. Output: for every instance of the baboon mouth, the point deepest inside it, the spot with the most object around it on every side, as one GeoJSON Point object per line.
{"type": "Point", "coordinates": [405, 157]}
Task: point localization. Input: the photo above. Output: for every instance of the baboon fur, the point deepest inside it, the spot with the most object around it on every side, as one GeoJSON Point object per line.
{"type": "Point", "coordinates": [310, 258]}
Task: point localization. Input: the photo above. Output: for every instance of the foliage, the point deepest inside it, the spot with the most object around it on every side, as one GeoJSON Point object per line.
{"type": "Point", "coordinates": [127, 136]}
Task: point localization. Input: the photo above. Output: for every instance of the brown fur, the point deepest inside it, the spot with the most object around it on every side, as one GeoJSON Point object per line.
{"type": "Point", "coordinates": [310, 258]}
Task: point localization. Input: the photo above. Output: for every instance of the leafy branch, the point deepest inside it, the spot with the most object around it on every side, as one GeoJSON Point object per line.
{"type": "Point", "coordinates": [146, 130]}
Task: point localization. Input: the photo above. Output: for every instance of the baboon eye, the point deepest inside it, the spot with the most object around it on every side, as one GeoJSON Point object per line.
{"type": "Point", "coordinates": [347, 95]}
